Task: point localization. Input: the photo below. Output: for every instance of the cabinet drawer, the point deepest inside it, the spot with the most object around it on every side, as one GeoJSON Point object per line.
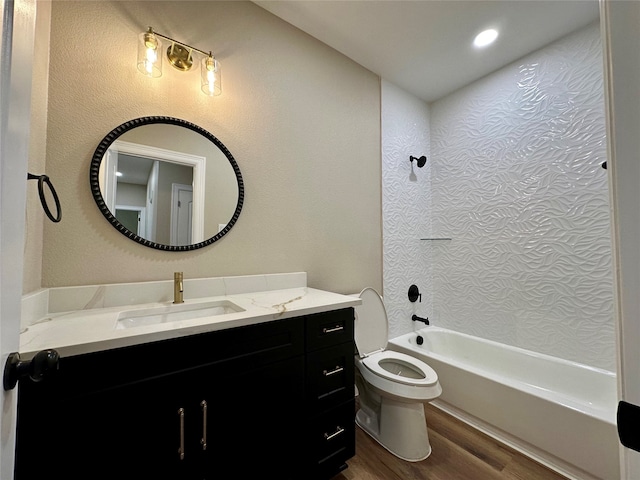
{"type": "Point", "coordinates": [330, 376]}
{"type": "Point", "coordinates": [333, 437]}
{"type": "Point", "coordinates": [329, 328]}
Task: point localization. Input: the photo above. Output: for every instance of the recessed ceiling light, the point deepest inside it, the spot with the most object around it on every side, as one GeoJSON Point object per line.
{"type": "Point", "coordinates": [485, 38]}
{"type": "Point", "coordinates": [118, 174]}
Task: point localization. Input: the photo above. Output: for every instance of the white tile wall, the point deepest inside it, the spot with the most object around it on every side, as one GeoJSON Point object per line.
{"type": "Point", "coordinates": [406, 207]}
{"type": "Point", "coordinates": [516, 181]}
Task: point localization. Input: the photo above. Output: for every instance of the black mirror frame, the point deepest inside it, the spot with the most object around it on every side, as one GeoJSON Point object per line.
{"type": "Point", "coordinates": [113, 135]}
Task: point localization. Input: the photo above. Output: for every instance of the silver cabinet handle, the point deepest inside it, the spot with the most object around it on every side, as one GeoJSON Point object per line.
{"type": "Point", "coordinates": [329, 436]}
{"type": "Point", "coordinates": [203, 441]}
{"type": "Point", "coordinates": [328, 373]}
{"type": "Point", "coordinates": [337, 328]}
{"type": "Point", "coordinates": [181, 449]}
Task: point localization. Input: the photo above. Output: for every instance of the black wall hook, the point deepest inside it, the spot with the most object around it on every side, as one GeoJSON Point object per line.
{"type": "Point", "coordinates": [42, 179]}
{"type": "Point", "coordinates": [420, 161]}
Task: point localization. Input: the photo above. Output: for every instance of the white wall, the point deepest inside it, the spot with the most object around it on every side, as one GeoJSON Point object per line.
{"type": "Point", "coordinates": [34, 215]}
{"type": "Point", "coordinates": [301, 120]}
{"type": "Point", "coordinates": [516, 182]}
{"type": "Point", "coordinates": [406, 207]}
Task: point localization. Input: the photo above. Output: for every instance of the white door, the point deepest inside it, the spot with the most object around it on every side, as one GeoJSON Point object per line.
{"type": "Point", "coordinates": [15, 98]}
{"type": "Point", "coordinates": [181, 214]}
{"type": "Point", "coordinates": [621, 33]}
{"type": "Point", "coordinates": [132, 217]}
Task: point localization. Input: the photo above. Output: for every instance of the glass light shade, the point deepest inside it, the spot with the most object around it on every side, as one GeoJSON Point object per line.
{"type": "Point", "coordinates": [211, 78]}
{"type": "Point", "coordinates": [149, 54]}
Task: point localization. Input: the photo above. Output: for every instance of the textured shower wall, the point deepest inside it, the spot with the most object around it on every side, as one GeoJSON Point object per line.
{"type": "Point", "coordinates": [518, 184]}
{"type": "Point", "coordinates": [406, 207]}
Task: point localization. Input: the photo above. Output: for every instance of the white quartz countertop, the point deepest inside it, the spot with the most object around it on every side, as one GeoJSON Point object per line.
{"type": "Point", "coordinates": [90, 330]}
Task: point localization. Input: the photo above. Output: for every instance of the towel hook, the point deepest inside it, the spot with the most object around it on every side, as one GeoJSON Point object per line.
{"type": "Point", "coordinates": [42, 179]}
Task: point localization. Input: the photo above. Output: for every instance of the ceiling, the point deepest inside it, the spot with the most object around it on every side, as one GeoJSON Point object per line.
{"type": "Point", "coordinates": [424, 46]}
{"type": "Point", "coordinates": [134, 169]}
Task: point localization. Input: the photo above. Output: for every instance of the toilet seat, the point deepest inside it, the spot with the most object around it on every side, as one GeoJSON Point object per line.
{"type": "Point", "coordinates": [371, 333]}
{"type": "Point", "coordinates": [429, 376]}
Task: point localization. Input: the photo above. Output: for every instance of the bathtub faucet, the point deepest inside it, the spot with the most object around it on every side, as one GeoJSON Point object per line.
{"type": "Point", "coordinates": [420, 319]}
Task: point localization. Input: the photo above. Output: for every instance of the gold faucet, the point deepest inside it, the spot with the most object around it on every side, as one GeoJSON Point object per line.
{"type": "Point", "coordinates": [178, 287]}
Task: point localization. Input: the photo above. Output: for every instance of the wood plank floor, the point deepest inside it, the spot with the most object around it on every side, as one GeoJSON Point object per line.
{"type": "Point", "coordinates": [459, 452]}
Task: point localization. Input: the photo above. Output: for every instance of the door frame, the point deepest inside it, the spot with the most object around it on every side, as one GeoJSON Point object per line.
{"type": "Point", "coordinates": [198, 163]}
{"type": "Point", "coordinates": [16, 57]}
{"type": "Point", "coordinates": [622, 110]}
{"type": "Point", "coordinates": [142, 226]}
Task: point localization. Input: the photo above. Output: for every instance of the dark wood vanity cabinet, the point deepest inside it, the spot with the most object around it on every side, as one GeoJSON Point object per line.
{"type": "Point", "coordinates": [330, 390]}
{"type": "Point", "coordinates": [246, 402]}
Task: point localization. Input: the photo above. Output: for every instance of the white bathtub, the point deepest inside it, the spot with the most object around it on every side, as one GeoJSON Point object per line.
{"type": "Point", "coordinates": [558, 412]}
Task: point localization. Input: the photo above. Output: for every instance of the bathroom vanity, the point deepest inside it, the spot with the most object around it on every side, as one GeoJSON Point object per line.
{"type": "Point", "coordinates": [247, 393]}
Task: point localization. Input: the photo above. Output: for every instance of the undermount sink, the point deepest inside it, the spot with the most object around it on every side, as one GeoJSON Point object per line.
{"type": "Point", "coordinates": [174, 313]}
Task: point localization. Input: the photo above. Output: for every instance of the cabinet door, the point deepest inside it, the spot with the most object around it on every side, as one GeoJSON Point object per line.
{"type": "Point", "coordinates": [255, 425]}
{"type": "Point", "coordinates": [129, 432]}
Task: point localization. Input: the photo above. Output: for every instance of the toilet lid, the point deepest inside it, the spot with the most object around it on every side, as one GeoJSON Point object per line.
{"type": "Point", "coordinates": [371, 324]}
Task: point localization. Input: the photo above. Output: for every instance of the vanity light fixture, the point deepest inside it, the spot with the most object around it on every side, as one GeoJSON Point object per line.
{"type": "Point", "coordinates": [180, 55]}
{"type": "Point", "coordinates": [484, 38]}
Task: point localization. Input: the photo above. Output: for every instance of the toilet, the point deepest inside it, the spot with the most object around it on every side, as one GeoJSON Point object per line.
{"type": "Point", "coordinates": [392, 386]}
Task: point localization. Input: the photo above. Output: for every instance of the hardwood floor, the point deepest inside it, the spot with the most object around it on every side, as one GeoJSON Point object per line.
{"type": "Point", "coordinates": [459, 452]}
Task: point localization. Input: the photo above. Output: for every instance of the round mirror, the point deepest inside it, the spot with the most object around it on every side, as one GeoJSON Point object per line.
{"type": "Point", "coordinates": [166, 183]}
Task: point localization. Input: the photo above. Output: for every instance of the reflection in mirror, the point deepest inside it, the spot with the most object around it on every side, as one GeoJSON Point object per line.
{"type": "Point", "coordinates": [166, 183]}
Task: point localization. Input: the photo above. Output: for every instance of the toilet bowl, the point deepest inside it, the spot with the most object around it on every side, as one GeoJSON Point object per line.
{"type": "Point", "coordinates": [392, 386]}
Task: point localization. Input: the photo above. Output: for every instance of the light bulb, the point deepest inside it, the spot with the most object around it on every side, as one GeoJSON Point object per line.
{"type": "Point", "coordinates": [212, 80]}
{"type": "Point", "coordinates": [151, 58]}
{"type": "Point", "coordinates": [210, 76]}
{"type": "Point", "coordinates": [149, 62]}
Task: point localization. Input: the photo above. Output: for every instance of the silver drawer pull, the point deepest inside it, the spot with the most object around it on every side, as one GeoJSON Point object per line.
{"type": "Point", "coordinates": [203, 440]}
{"type": "Point", "coordinates": [181, 449]}
{"type": "Point", "coordinates": [329, 436]}
{"type": "Point", "coordinates": [337, 328]}
{"type": "Point", "coordinates": [328, 373]}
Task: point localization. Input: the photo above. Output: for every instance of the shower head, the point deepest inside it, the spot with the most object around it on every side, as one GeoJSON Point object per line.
{"type": "Point", "coordinates": [420, 161]}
